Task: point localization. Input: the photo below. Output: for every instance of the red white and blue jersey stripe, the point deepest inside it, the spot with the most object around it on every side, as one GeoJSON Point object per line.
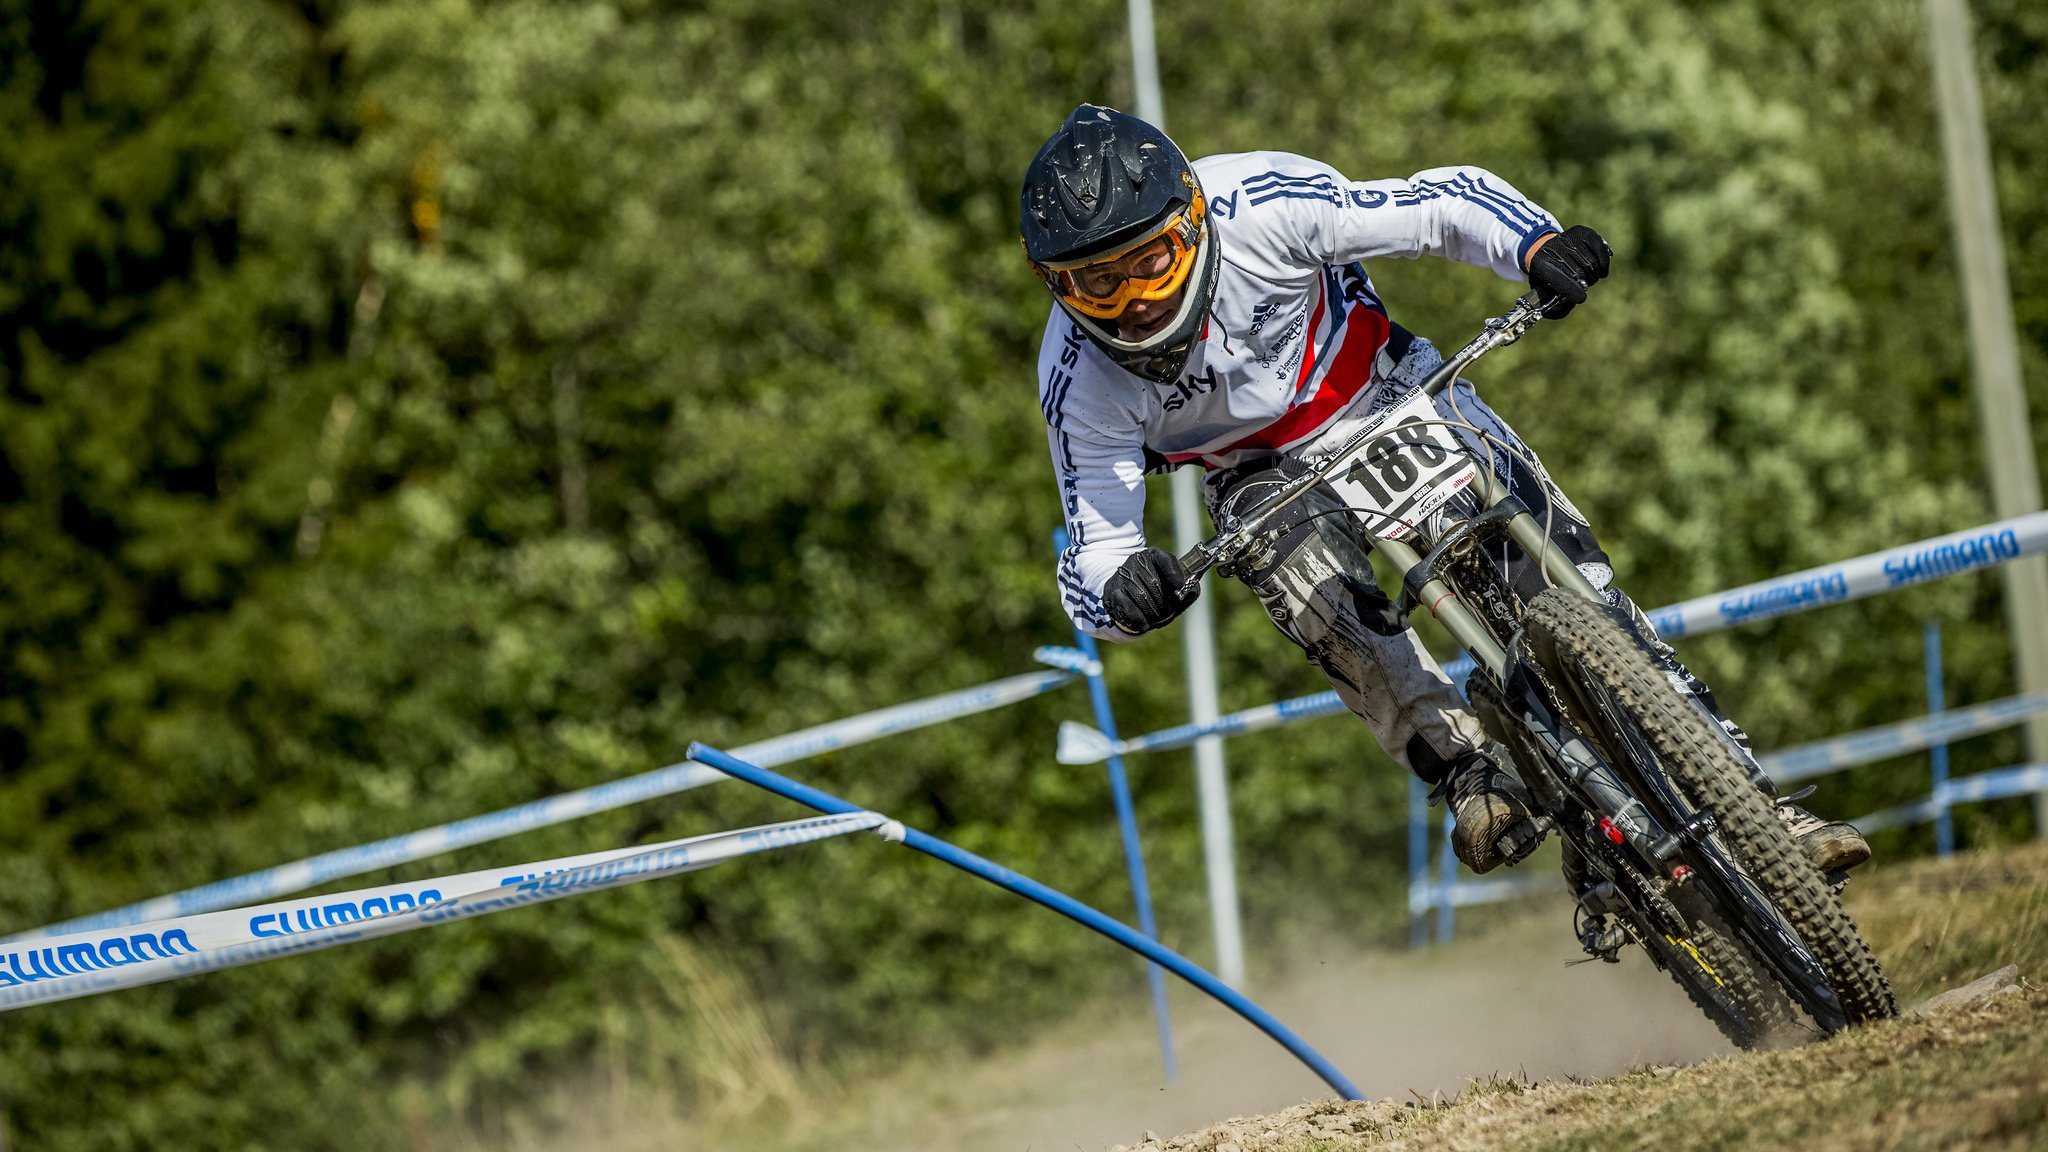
{"type": "Point", "coordinates": [1298, 349]}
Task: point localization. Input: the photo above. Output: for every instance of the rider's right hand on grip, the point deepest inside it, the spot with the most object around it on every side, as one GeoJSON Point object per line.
{"type": "Point", "coordinates": [1148, 591]}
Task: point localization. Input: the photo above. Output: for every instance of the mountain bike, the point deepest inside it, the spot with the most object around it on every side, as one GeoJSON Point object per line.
{"type": "Point", "coordinates": [1668, 836]}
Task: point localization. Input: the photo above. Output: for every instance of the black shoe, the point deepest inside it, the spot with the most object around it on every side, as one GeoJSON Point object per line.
{"type": "Point", "coordinates": [1486, 804]}
{"type": "Point", "coordinates": [1833, 845]}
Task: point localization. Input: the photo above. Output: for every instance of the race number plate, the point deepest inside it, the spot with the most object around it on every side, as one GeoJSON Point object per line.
{"type": "Point", "coordinates": [1405, 471]}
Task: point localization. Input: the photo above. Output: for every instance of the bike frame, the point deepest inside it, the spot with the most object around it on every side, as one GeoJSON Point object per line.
{"type": "Point", "coordinates": [1581, 785]}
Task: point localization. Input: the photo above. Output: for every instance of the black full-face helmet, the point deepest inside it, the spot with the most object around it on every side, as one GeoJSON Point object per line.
{"type": "Point", "coordinates": [1112, 213]}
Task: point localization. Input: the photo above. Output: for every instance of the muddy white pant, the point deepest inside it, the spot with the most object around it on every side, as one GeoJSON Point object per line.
{"type": "Point", "coordinates": [1318, 588]}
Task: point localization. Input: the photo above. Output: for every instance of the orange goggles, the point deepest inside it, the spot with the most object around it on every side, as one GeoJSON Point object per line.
{"type": "Point", "coordinates": [1152, 267]}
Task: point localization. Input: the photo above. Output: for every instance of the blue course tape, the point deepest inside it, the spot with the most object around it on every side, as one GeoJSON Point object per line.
{"type": "Point", "coordinates": [1970, 550]}
{"type": "Point", "coordinates": [2000, 785]}
{"type": "Point", "coordinates": [1059, 902]}
{"type": "Point", "coordinates": [303, 874]}
{"type": "Point", "coordinates": [160, 950]}
{"type": "Point", "coordinates": [1873, 744]}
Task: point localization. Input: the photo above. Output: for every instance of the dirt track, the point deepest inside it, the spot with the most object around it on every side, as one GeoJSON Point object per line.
{"type": "Point", "coordinates": [1498, 1001]}
{"type": "Point", "coordinates": [1423, 1023]}
{"type": "Point", "coordinates": [1501, 1000]}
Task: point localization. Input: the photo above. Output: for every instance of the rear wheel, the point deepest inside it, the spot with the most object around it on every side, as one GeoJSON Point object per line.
{"type": "Point", "coordinates": [1722, 982]}
{"type": "Point", "coordinates": [1700, 955]}
{"type": "Point", "coordinates": [1768, 1014]}
{"type": "Point", "coordinates": [1618, 693]}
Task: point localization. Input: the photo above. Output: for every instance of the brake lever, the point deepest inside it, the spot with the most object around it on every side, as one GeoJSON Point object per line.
{"type": "Point", "coordinates": [1198, 560]}
{"type": "Point", "coordinates": [1228, 545]}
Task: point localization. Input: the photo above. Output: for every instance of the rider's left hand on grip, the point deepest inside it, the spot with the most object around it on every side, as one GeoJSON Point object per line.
{"type": "Point", "coordinates": [1565, 267]}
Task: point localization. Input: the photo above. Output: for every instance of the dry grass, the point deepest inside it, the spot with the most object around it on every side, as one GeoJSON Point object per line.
{"type": "Point", "coordinates": [1940, 923]}
{"type": "Point", "coordinates": [1974, 1077]}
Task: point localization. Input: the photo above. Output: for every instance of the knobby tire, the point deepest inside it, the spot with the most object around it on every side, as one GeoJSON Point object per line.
{"type": "Point", "coordinates": [1578, 641]}
{"type": "Point", "coordinates": [1762, 1012]}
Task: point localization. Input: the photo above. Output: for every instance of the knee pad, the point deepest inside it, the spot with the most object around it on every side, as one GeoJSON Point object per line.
{"type": "Point", "coordinates": [1318, 542]}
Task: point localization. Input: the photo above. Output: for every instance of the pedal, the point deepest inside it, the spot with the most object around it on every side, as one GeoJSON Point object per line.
{"type": "Point", "coordinates": [1518, 842]}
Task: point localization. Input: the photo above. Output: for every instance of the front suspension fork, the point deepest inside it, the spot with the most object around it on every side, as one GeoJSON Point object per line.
{"type": "Point", "coordinates": [1444, 604]}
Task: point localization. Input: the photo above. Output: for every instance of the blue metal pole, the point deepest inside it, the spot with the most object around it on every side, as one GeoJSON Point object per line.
{"type": "Point", "coordinates": [1059, 902]}
{"type": "Point", "coordinates": [1418, 860]}
{"type": "Point", "coordinates": [1447, 875]}
{"type": "Point", "coordinates": [1127, 822]}
{"type": "Point", "coordinates": [1937, 757]}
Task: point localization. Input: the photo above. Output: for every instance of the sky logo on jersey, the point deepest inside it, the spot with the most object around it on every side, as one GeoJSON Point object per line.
{"type": "Point", "coordinates": [1054, 392]}
{"type": "Point", "coordinates": [1188, 388]}
{"type": "Point", "coordinates": [1281, 186]}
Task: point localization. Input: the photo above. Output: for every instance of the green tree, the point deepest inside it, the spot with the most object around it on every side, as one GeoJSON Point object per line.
{"type": "Point", "coordinates": [411, 410]}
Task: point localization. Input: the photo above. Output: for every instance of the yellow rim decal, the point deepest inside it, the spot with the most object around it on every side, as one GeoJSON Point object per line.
{"type": "Point", "coordinates": [1696, 958]}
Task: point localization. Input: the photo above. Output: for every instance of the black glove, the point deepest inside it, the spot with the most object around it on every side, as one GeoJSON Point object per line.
{"type": "Point", "coordinates": [1566, 266]}
{"type": "Point", "coordinates": [1145, 593]}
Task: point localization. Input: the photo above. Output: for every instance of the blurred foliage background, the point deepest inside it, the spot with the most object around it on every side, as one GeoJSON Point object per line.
{"type": "Point", "coordinates": [411, 409]}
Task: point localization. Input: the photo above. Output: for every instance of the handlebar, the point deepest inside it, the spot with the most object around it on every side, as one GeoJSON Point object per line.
{"type": "Point", "coordinates": [1225, 547]}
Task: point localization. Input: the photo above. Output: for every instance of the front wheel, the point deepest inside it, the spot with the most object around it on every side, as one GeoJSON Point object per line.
{"type": "Point", "coordinates": [1617, 692]}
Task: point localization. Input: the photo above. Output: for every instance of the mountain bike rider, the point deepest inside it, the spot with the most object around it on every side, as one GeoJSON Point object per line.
{"type": "Point", "coordinates": [1217, 313]}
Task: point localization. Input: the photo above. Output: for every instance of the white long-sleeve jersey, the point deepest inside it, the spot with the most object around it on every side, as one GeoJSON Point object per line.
{"type": "Point", "coordinates": [1297, 349]}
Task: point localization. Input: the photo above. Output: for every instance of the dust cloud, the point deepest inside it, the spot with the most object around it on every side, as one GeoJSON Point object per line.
{"type": "Point", "coordinates": [1430, 1021]}
{"type": "Point", "coordinates": [1396, 1023]}
{"type": "Point", "coordinates": [1498, 1002]}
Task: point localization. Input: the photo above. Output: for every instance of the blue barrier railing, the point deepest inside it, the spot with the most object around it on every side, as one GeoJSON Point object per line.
{"type": "Point", "coordinates": [1937, 756]}
{"type": "Point", "coordinates": [1914, 563]}
{"type": "Point", "coordinates": [1804, 761]}
{"type": "Point", "coordinates": [300, 875]}
{"type": "Point", "coordinates": [1089, 665]}
{"type": "Point", "coordinates": [1059, 902]}
{"type": "Point", "coordinates": [2001, 784]}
